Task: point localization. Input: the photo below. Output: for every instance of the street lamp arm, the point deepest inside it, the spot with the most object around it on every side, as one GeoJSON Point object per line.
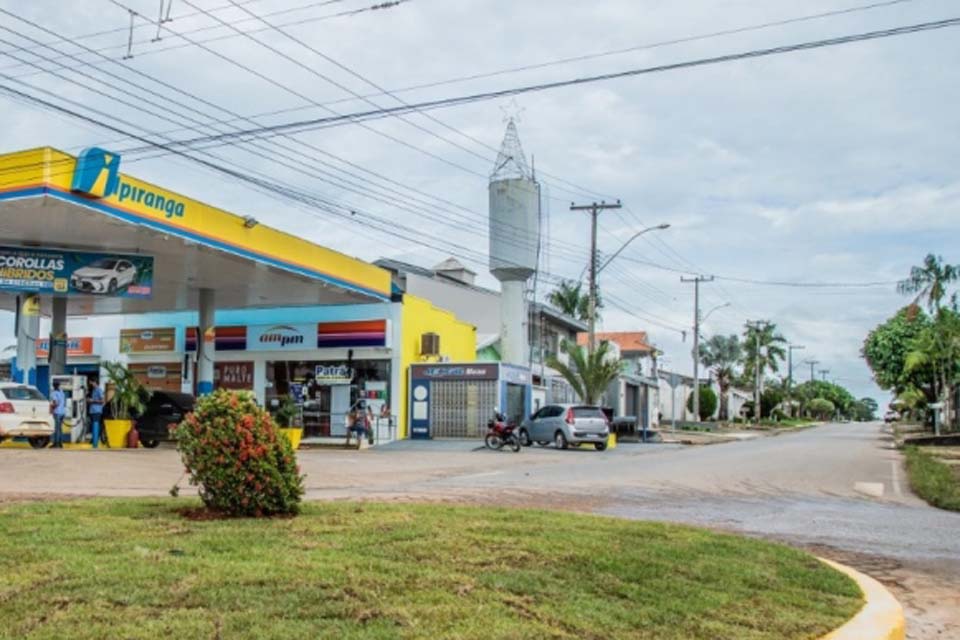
{"type": "Point", "coordinates": [659, 227]}
{"type": "Point", "coordinates": [716, 308]}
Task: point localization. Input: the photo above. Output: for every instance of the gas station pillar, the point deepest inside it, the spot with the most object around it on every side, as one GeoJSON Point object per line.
{"type": "Point", "coordinates": [28, 328]}
{"type": "Point", "coordinates": [58, 338]}
{"type": "Point", "coordinates": [206, 345]}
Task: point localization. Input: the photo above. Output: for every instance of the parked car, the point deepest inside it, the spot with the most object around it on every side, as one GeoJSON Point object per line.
{"type": "Point", "coordinates": [106, 275]}
{"type": "Point", "coordinates": [565, 425]}
{"type": "Point", "coordinates": [25, 412]}
{"type": "Point", "coordinates": [164, 410]}
{"type": "Point", "coordinates": [891, 416]}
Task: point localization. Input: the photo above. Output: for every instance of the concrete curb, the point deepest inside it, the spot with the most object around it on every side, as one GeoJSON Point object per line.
{"type": "Point", "coordinates": [881, 617]}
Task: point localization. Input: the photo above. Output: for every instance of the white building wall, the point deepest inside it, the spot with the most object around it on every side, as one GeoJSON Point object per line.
{"type": "Point", "coordinates": [473, 305]}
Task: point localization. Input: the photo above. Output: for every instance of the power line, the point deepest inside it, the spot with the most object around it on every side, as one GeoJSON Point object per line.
{"type": "Point", "coordinates": [363, 116]}
{"type": "Point", "coordinates": [165, 97]}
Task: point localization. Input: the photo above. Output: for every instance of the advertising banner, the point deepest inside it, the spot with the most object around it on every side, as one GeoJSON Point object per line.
{"type": "Point", "coordinates": [71, 273]}
{"type": "Point", "coordinates": [236, 376]}
{"type": "Point", "coordinates": [148, 340]}
{"type": "Point", "coordinates": [76, 347]}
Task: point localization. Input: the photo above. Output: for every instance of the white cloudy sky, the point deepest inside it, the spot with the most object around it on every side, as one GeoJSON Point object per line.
{"type": "Point", "coordinates": [831, 165]}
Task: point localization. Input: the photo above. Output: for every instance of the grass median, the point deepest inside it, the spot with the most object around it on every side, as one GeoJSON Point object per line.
{"type": "Point", "coordinates": [932, 479]}
{"type": "Point", "coordinates": [140, 569]}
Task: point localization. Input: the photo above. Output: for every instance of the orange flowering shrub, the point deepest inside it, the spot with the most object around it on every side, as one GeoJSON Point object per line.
{"type": "Point", "coordinates": [236, 457]}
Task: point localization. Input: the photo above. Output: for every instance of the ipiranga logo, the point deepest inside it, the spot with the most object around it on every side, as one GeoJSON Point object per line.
{"type": "Point", "coordinates": [98, 174]}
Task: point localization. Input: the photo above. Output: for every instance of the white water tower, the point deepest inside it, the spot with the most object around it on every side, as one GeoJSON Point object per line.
{"type": "Point", "coordinates": [514, 237]}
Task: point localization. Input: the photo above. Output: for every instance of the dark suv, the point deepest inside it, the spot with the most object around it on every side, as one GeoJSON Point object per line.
{"type": "Point", "coordinates": [164, 411]}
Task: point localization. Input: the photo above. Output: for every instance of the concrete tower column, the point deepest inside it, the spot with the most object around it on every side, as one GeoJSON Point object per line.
{"type": "Point", "coordinates": [28, 328]}
{"type": "Point", "coordinates": [58, 338]}
{"type": "Point", "coordinates": [513, 323]}
{"type": "Point", "coordinates": [206, 347]}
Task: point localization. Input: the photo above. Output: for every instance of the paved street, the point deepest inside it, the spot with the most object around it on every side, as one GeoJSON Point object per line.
{"type": "Point", "coordinates": [838, 490]}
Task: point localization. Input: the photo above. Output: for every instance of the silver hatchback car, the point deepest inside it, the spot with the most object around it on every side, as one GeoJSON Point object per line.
{"type": "Point", "coordinates": [566, 424]}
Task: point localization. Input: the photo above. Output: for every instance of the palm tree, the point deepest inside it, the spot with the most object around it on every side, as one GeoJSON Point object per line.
{"type": "Point", "coordinates": [722, 353]}
{"type": "Point", "coordinates": [762, 346]}
{"type": "Point", "coordinates": [588, 374]}
{"type": "Point", "coordinates": [929, 281]}
{"type": "Point", "coordinates": [570, 298]}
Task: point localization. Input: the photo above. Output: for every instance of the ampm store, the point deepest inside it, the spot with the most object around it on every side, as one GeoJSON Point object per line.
{"type": "Point", "coordinates": [193, 297]}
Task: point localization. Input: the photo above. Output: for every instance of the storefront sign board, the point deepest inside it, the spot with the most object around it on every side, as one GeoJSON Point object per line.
{"type": "Point", "coordinates": [157, 340]}
{"type": "Point", "coordinates": [76, 347]}
{"type": "Point", "coordinates": [281, 337]}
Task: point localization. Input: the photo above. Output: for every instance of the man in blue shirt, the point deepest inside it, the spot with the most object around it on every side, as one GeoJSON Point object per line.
{"type": "Point", "coordinates": [58, 406]}
{"type": "Point", "coordinates": [95, 409]}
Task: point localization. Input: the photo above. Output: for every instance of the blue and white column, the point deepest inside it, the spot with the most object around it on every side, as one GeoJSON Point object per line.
{"type": "Point", "coordinates": [28, 328]}
{"type": "Point", "coordinates": [206, 347]}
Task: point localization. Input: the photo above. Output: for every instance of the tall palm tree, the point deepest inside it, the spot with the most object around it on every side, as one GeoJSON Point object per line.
{"type": "Point", "coordinates": [588, 374]}
{"type": "Point", "coordinates": [929, 281]}
{"type": "Point", "coordinates": [570, 298]}
{"type": "Point", "coordinates": [722, 353]}
{"type": "Point", "coordinates": [762, 346]}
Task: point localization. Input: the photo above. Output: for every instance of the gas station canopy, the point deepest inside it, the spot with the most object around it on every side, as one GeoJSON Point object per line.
{"type": "Point", "coordinates": [50, 200]}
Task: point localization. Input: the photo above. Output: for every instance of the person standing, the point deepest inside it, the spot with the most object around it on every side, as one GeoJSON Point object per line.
{"type": "Point", "coordinates": [58, 406]}
{"type": "Point", "coordinates": [95, 408]}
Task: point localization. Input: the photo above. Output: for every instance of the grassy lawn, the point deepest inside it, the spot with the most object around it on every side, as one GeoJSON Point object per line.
{"type": "Point", "coordinates": [138, 569]}
{"type": "Point", "coordinates": [933, 480]}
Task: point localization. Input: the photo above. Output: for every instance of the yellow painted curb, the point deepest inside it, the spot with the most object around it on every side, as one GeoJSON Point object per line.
{"type": "Point", "coordinates": [881, 618]}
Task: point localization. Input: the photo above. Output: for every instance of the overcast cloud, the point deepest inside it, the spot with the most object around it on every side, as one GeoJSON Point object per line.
{"type": "Point", "coordinates": [830, 165]}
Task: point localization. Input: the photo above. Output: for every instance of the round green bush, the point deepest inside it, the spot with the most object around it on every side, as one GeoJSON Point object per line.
{"type": "Point", "coordinates": [708, 402]}
{"type": "Point", "coordinates": [237, 459]}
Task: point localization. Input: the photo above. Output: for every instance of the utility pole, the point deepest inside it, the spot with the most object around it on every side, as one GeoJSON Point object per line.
{"type": "Point", "coordinates": [823, 374]}
{"type": "Point", "coordinates": [594, 209]}
{"type": "Point", "coordinates": [696, 340]}
{"type": "Point", "coordinates": [757, 327]}
{"type": "Point", "coordinates": [790, 349]}
{"type": "Point", "coordinates": [812, 364]}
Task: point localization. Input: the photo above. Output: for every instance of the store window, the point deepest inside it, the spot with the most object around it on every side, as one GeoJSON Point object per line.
{"type": "Point", "coordinates": [327, 391]}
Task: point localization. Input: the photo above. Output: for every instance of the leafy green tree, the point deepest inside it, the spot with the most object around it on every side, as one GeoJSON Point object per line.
{"type": "Point", "coordinates": [770, 399]}
{"type": "Point", "coordinates": [821, 408]}
{"type": "Point", "coordinates": [866, 409]}
{"type": "Point", "coordinates": [886, 349]}
{"type": "Point", "coordinates": [722, 354]}
{"type": "Point", "coordinates": [937, 347]}
{"type": "Point", "coordinates": [842, 400]}
{"type": "Point", "coordinates": [589, 374]}
{"type": "Point", "coordinates": [929, 281]}
{"type": "Point", "coordinates": [570, 298]}
{"type": "Point", "coordinates": [708, 402]}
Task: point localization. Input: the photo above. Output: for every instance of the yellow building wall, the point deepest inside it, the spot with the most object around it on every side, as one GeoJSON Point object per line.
{"type": "Point", "coordinates": [458, 343]}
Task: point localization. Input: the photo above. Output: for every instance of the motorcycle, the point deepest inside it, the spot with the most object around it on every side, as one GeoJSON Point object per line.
{"type": "Point", "coordinates": [501, 433]}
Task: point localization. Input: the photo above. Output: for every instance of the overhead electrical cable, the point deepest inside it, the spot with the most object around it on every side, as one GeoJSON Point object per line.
{"type": "Point", "coordinates": [363, 116]}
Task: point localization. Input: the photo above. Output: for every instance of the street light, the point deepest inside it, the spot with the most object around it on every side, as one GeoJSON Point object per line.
{"type": "Point", "coordinates": [594, 271]}
{"type": "Point", "coordinates": [716, 308]}
{"type": "Point", "coordinates": [659, 227]}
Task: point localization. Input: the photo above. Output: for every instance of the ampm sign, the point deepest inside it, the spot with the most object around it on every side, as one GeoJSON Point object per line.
{"type": "Point", "coordinates": [98, 175]}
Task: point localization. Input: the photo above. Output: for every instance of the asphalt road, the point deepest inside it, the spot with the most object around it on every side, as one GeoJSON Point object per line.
{"type": "Point", "coordinates": [839, 490]}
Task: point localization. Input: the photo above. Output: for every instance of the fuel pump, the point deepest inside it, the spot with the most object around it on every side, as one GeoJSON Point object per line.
{"type": "Point", "coordinates": [74, 389]}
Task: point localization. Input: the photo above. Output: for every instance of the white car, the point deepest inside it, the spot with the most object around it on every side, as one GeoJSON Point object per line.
{"type": "Point", "coordinates": [24, 412]}
{"type": "Point", "coordinates": [106, 275]}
